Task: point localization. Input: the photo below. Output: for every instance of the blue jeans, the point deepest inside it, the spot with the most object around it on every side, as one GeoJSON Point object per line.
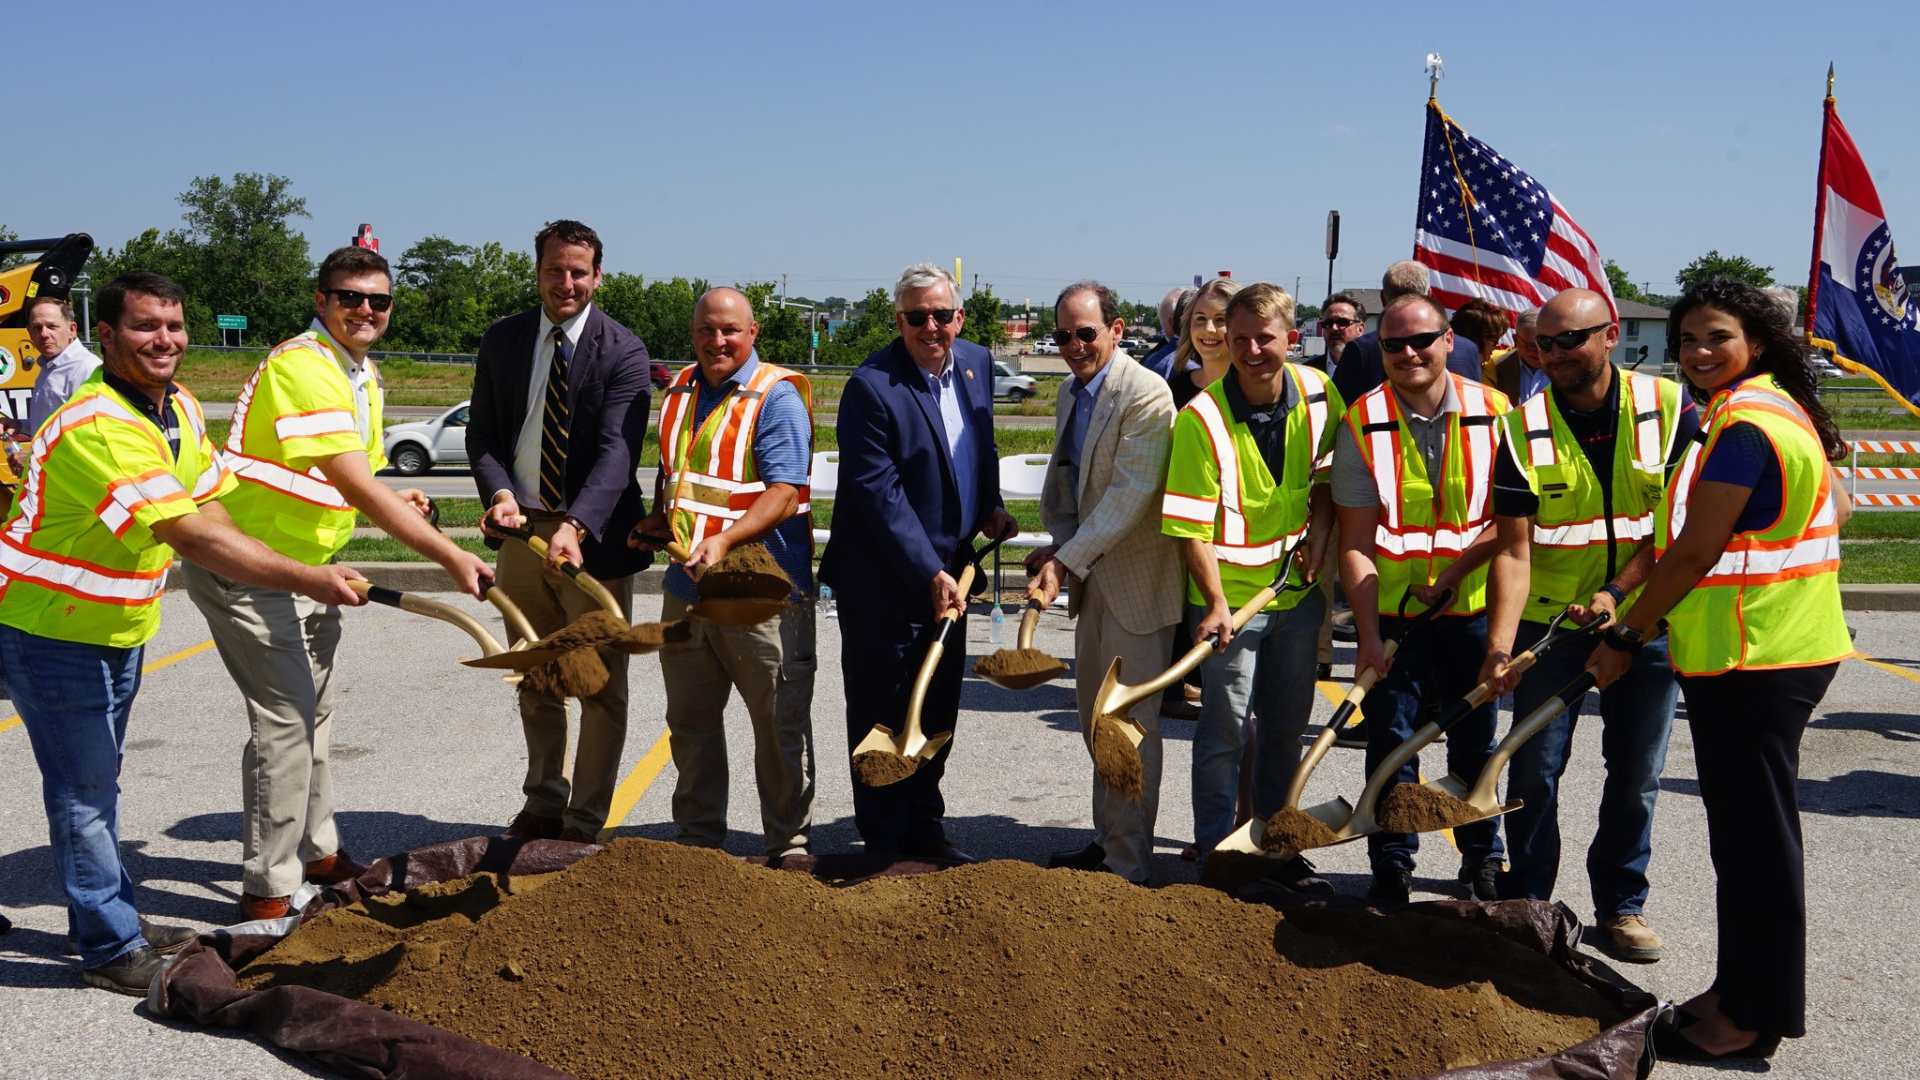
{"type": "Point", "coordinates": [74, 700]}
{"type": "Point", "coordinates": [1267, 672]}
{"type": "Point", "coordinates": [1437, 664]}
{"type": "Point", "coordinates": [1636, 716]}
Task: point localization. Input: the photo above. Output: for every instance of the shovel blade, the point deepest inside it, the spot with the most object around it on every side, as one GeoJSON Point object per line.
{"type": "Point", "coordinates": [880, 739]}
{"type": "Point", "coordinates": [1460, 789]}
{"type": "Point", "coordinates": [929, 746]}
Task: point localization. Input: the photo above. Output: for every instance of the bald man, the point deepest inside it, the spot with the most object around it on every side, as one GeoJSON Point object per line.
{"type": "Point", "coordinates": [1160, 360]}
{"type": "Point", "coordinates": [1575, 486]}
{"type": "Point", "coordinates": [764, 501]}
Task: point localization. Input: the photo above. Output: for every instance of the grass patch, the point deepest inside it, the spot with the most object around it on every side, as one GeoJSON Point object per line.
{"type": "Point", "coordinates": [1026, 513]}
{"type": "Point", "coordinates": [218, 376]}
{"type": "Point", "coordinates": [454, 514]}
{"type": "Point", "coordinates": [1882, 525]}
{"type": "Point", "coordinates": [1880, 562]}
{"type": "Point", "coordinates": [383, 549]}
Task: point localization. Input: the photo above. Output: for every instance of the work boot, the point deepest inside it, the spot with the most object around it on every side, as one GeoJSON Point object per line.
{"type": "Point", "coordinates": [1481, 880]}
{"type": "Point", "coordinates": [255, 908]}
{"type": "Point", "coordinates": [166, 940]}
{"type": "Point", "coordinates": [334, 869]}
{"type": "Point", "coordinates": [1299, 875]}
{"type": "Point", "coordinates": [1392, 886]}
{"type": "Point", "coordinates": [1178, 704]}
{"type": "Point", "coordinates": [1323, 673]}
{"type": "Point", "coordinates": [531, 826]}
{"type": "Point", "coordinates": [1343, 628]}
{"type": "Point", "coordinates": [1628, 937]}
{"type": "Point", "coordinates": [132, 972]}
{"type": "Point", "coordinates": [574, 835]}
{"type": "Point", "coordinates": [1091, 857]}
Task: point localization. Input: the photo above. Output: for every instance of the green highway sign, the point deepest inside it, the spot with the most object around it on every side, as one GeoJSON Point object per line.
{"type": "Point", "coordinates": [231, 322]}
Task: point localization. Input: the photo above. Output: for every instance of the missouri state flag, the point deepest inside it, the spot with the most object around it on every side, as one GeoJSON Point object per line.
{"type": "Point", "coordinates": [1857, 303]}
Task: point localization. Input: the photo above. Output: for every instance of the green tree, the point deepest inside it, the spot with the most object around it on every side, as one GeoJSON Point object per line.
{"type": "Point", "coordinates": [1732, 267]}
{"type": "Point", "coordinates": [8, 262]}
{"type": "Point", "coordinates": [163, 255]}
{"type": "Point", "coordinates": [983, 326]}
{"type": "Point", "coordinates": [869, 331]}
{"type": "Point", "coordinates": [1622, 284]}
{"type": "Point", "coordinates": [659, 312]}
{"type": "Point", "coordinates": [240, 255]}
{"type": "Point", "coordinates": [785, 334]}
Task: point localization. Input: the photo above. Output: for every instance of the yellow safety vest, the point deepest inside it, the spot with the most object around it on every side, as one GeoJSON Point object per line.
{"type": "Point", "coordinates": [78, 558]}
{"type": "Point", "coordinates": [1424, 525]}
{"type": "Point", "coordinates": [1219, 488]}
{"type": "Point", "coordinates": [1571, 529]}
{"type": "Point", "coordinates": [1773, 598]}
{"type": "Point", "coordinates": [711, 475]}
{"type": "Point", "coordinates": [298, 407]}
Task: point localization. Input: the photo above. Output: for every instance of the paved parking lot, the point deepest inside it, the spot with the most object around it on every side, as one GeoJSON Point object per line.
{"type": "Point", "coordinates": [426, 750]}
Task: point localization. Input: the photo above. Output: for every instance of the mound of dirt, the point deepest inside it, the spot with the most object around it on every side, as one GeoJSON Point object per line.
{"type": "Point", "coordinates": [878, 768]}
{"type": "Point", "coordinates": [1291, 829]}
{"type": "Point", "coordinates": [1017, 664]}
{"type": "Point", "coordinates": [1408, 808]}
{"type": "Point", "coordinates": [650, 959]}
{"type": "Point", "coordinates": [749, 572]}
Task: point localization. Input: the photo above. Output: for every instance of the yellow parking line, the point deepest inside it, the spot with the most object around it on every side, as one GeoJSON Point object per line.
{"type": "Point", "coordinates": [1884, 666]}
{"type": "Point", "coordinates": [638, 781]}
{"type": "Point", "coordinates": [12, 722]}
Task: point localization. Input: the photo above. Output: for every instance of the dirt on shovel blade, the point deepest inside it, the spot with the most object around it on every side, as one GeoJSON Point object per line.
{"type": "Point", "coordinates": [1015, 663]}
{"type": "Point", "coordinates": [1408, 808]}
{"type": "Point", "coordinates": [1115, 757]}
{"type": "Point", "coordinates": [749, 572]}
{"type": "Point", "coordinates": [651, 959]}
{"type": "Point", "coordinates": [1292, 829]}
{"type": "Point", "coordinates": [590, 631]}
{"type": "Point", "coordinates": [577, 672]}
{"type": "Point", "coordinates": [646, 637]}
{"type": "Point", "coordinates": [878, 768]}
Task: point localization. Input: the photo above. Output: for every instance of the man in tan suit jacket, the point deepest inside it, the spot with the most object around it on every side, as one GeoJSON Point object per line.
{"type": "Point", "coordinates": [1113, 431]}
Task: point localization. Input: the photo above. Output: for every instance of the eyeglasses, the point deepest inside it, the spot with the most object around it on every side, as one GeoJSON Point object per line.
{"type": "Point", "coordinates": [1337, 324]}
{"type": "Point", "coordinates": [1570, 340]}
{"type": "Point", "coordinates": [1085, 334]}
{"type": "Point", "coordinates": [943, 316]}
{"type": "Point", "coordinates": [1392, 346]}
{"type": "Point", "coordinates": [351, 299]}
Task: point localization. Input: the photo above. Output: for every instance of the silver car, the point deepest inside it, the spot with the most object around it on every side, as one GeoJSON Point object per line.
{"type": "Point", "coordinates": [424, 444]}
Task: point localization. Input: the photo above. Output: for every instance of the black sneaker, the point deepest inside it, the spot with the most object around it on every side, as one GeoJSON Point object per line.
{"type": "Point", "coordinates": [1299, 875]}
{"type": "Point", "coordinates": [1353, 736]}
{"type": "Point", "coordinates": [1343, 628]}
{"type": "Point", "coordinates": [1392, 886]}
{"type": "Point", "coordinates": [1323, 673]}
{"type": "Point", "coordinates": [1480, 880]}
{"type": "Point", "coordinates": [130, 973]}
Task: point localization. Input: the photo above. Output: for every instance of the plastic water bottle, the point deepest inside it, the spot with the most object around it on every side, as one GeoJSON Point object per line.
{"type": "Point", "coordinates": [826, 602]}
{"type": "Point", "coordinates": [999, 630]}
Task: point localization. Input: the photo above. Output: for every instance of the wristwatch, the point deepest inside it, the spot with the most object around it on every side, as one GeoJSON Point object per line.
{"type": "Point", "coordinates": [1624, 638]}
{"type": "Point", "coordinates": [578, 525]}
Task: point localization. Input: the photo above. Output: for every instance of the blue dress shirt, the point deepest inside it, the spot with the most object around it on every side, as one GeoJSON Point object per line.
{"type": "Point", "coordinates": [948, 394]}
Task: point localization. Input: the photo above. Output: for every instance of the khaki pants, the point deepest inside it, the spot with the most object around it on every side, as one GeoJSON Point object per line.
{"type": "Point", "coordinates": [279, 649]}
{"type": "Point", "coordinates": [772, 665]}
{"type": "Point", "coordinates": [1122, 825]}
{"type": "Point", "coordinates": [550, 602]}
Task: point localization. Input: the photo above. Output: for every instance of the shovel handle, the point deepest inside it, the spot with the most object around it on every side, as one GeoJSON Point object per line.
{"type": "Point", "coordinates": [911, 735]}
{"type": "Point", "coordinates": [1522, 730]}
{"type": "Point", "coordinates": [587, 582]}
{"type": "Point", "coordinates": [432, 609]}
{"type": "Point", "coordinates": [511, 614]}
{"type": "Point", "coordinates": [1030, 621]}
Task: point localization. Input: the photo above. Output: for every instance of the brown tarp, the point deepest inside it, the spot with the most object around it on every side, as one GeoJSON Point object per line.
{"type": "Point", "coordinates": [355, 1039]}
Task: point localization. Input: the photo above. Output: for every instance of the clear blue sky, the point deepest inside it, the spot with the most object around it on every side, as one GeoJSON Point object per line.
{"type": "Point", "coordinates": [1041, 142]}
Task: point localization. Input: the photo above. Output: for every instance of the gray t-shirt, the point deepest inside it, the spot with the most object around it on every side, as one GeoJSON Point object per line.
{"type": "Point", "coordinates": [1353, 483]}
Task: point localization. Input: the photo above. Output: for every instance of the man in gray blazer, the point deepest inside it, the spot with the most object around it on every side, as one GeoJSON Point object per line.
{"type": "Point", "coordinates": [1113, 429]}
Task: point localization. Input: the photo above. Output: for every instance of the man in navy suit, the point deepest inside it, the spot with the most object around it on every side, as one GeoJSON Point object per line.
{"type": "Point", "coordinates": [560, 399]}
{"type": "Point", "coordinates": [919, 477]}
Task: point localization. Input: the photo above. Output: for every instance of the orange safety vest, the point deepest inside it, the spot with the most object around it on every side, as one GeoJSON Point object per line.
{"type": "Point", "coordinates": [711, 475]}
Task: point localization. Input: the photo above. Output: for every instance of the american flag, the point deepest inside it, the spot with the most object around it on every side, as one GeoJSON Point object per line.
{"type": "Point", "coordinates": [1490, 231]}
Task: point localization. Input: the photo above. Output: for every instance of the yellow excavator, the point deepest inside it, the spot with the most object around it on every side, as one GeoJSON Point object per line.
{"type": "Point", "coordinates": [52, 274]}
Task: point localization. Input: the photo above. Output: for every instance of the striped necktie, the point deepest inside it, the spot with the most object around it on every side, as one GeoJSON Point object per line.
{"type": "Point", "coordinates": [553, 426]}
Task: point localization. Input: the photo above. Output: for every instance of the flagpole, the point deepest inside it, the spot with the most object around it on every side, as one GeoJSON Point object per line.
{"type": "Point", "coordinates": [1820, 204]}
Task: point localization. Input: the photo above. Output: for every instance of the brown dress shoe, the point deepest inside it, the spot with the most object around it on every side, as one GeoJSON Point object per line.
{"type": "Point", "coordinates": [334, 869]}
{"type": "Point", "coordinates": [253, 907]}
{"type": "Point", "coordinates": [532, 826]}
{"type": "Point", "coordinates": [574, 836]}
{"type": "Point", "coordinates": [941, 849]}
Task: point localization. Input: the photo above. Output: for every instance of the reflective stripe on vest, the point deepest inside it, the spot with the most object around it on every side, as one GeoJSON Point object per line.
{"type": "Point", "coordinates": [1231, 543]}
{"type": "Point", "coordinates": [1772, 598]}
{"type": "Point", "coordinates": [311, 486]}
{"type": "Point", "coordinates": [712, 479]}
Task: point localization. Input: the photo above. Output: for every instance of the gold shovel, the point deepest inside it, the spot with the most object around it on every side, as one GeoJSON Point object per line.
{"type": "Point", "coordinates": [1115, 699]}
{"type": "Point", "coordinates": [882, 759]}
{"type": "Point", "coordinates": [1351, 821]}
{"type": "Point", "coordinates": [1481, 795]}
{"type": "Point", "coordinates": [1024, 667]}
{"type": "Point", "coordinates": [635, 640]}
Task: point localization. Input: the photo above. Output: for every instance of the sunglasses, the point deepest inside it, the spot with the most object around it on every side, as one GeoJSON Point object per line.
{"type": "Point", "coordinates": [1086, 334]}
{"type": "Point", "coordinates": [1393, 346]}
{"type": "Point", "coordinates": [1337, 324]}
{"type": "Point", "coordinates": [351, 300]}
{"type": "Point", "coordinates": [943, 316]}
{"type": "Point", "coordinates": [1570, 340]}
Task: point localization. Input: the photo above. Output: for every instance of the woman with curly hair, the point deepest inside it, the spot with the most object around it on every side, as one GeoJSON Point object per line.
{"type": "Point", "coordinates": [1747, 543]}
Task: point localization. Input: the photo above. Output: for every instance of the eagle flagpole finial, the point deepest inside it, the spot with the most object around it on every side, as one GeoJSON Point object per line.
{"type": "Point", "coordinates": [1435, 69]}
